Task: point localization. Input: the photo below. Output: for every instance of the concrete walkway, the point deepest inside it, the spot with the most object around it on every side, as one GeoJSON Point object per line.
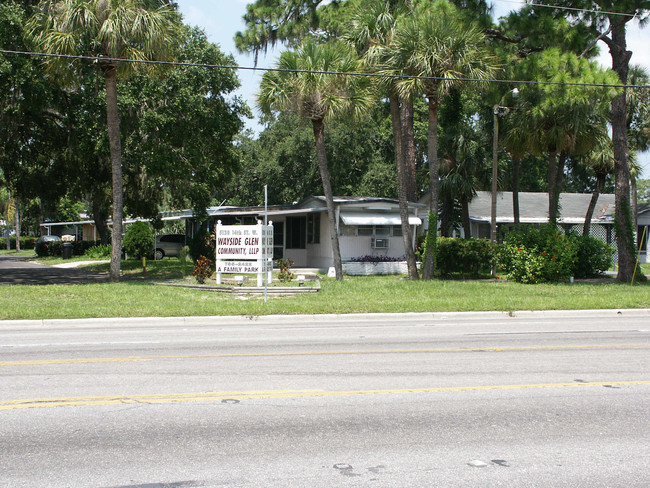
{"type": "Point", "coordinates": [18, 270]}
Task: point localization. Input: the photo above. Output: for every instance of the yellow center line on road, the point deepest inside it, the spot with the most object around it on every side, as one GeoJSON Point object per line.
{"type": "Point", "coordinates": [126, 359]}
{"type": "Point", "coordinates": [269, 394]}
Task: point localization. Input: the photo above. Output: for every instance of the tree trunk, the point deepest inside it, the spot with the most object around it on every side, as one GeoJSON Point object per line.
{"type": "Point", "coordinates": [402, 192]}
{"type": "Point", "coordinates": [558, 184]}
{"type": "Point", "coordinates": [8, 222]}
{"type": "Point", "coordinates": [623, 223]}
{"type": "Point", "coordinates": [559, 179]}
{"type": "Point", "coordinates": [600, 180]}
{"type": "Point", "coordinates": [115, 144]}
{"type": "Point", "coordinates": [467, 227]}
{"type": "Point", "coordinates": [552, 187]}
{"type": "Point", "coordinates": [495, 178]}
{"type": "Point", "coordinates": [408, 145]}
{"type": "Point", "coordinates": [446, 214]}
{"type": "Point", "coordinates": [17, 223]}
{"type": "Point", "coordinates": [321, 154]}
{"type": "Point", "coordinates": [635, 202]}
{"type": "Point", "coordinates": [515, 189]}
{"type": "Point", "coordinates": [434, 184]}
{"type": "Point", "coordinates": [99, 216]}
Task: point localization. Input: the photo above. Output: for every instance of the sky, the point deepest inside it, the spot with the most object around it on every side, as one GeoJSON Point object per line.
{"type": "Point", "coordinates": [221, 19]}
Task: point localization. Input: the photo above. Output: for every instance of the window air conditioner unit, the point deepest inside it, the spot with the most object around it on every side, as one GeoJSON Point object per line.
{"type": "Point", "coordinates": [379, 243]}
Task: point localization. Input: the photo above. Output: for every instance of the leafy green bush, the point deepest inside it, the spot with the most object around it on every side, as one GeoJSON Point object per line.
{"type": "Point", "coordinates": [202, 244]}
{"type": "Point", "coordinates": [521, 264]}
{"type": "Point", "coordinates": [26, 242]}
{"type": "Point", "coordinates": [368, 258]}
{"type": "Point", "coordinates": [203, 269]}
{"type": "Point", "coordinates": [430, 241]}
{"type": "Point", "coordinates": [45, 249]}
{"type": "Point", "coordinates": [80, 247]}
{"type": "Point", "coordinates": [464, 256]}
{"type": "Point", "coordinates": [594, 257]}
{"type": "Point", "coordinates": [538, 255]}
{"type": "Point", "coordinates": [99, 252]}
{"type": "Point", "coordinates": [182, 257]}
{"type": "Point", "coordinates": [138, 240]}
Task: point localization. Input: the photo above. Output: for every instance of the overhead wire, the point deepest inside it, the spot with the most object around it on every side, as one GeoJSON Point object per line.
{"type": "Point", "coordinates": [573, 9]}
{"type": "Point", "coordinates": [97, 59]}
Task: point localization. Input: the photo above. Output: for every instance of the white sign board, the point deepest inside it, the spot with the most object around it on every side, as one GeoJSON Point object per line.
{"type": "Point", "coordinates": [244, 242]}
{"type": "Point", "coordinates": [243, 267]}
{"type": "Point", "coordinates": [251, 246]}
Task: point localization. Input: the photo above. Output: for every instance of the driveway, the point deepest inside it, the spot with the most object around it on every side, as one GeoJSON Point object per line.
{"type": "Point", "coordinates": [18, 270]}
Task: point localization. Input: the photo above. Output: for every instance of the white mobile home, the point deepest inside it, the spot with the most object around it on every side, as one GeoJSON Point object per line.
{"type": "Point", "coordinates": [365, 225]}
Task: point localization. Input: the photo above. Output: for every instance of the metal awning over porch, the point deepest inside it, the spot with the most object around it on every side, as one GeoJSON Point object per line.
{"type": "Point", "coordinates": [364, 218]}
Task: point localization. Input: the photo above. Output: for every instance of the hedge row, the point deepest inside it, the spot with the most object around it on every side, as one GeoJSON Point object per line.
{"type": "Point", "coordinates": [26, 242]}
{"type": "Point", "coordinates": [545, 254]}
{"type": "Point", "coordinates": [79, 248]}
{"type": "Point", "coordinates": [467, 257]}
{"type": "Point", "coordinates": [529, 255]}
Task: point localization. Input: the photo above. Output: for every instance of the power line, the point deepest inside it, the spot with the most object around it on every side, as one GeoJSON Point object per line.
{"type": "Point", "coordinates": [573, 9]}
{"type": "Point", "coordinates": [97, 59]}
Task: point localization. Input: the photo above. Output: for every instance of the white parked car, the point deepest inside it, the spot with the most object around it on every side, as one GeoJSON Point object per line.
{"type": "Point", "coordinates": [168, 245]}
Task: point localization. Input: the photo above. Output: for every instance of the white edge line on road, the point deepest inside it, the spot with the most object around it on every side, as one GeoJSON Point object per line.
{"type": "Point", "coordinates": [317, 319]}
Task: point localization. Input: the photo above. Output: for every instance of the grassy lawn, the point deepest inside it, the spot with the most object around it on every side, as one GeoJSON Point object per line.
{"type": "Point", "coordinates": [164, 269]}
{"type": "Point", "coordinates": [135, 298]}
{"type": "Point", "coordinates": [156, 270]}
{"type": "Point", "coordinates": [52, 260]}
{"type": "Point", "coordinates": [23, 252]}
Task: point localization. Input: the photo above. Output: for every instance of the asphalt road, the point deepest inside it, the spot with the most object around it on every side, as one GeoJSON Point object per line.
{"type": "Point", "coordinates": [388, 401]}
{"type": "Point", "coordinates": [19, 270]}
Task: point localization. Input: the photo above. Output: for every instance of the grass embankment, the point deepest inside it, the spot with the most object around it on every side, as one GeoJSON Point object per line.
{"type": "Point", "coordinates": [137, 298]}
{"type": "Point", "coordinates": [164, 269]}
{"type": "Point", "coordinates": [12, 252]}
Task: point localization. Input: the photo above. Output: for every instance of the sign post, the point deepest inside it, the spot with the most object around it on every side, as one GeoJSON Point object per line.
{"type": "Point", "coordinates": [245, 249]}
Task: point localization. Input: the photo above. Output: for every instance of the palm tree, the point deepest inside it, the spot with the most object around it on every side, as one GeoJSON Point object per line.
{"type": "Point", "coordinates": [310, 85]}
{"type": "Point", "coordinates": [562, 120]}
{"type": "Point", "coordinates": [116, 30]}
{"type": "Point", "coordinates": [638, 126]}
{"type": "Point", "coordinates": [601, 161]}
{"type": "Point", "coordinates": [370, 32]}
{"type": "Point", "coordinates": [635, 172]}
{"type": "Point", "coordinates": [515, 142]}
{"type": "Point", "coordinates": [438, 49]}
{"type": "Point", "coordinates": [462, 161]}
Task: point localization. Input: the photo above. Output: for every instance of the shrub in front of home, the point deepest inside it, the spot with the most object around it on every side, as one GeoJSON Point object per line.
{"type": "Point", "coordinates": [26, 242]}
{"type": "Point", "coordinates": [79, 248]}
{"type": "Point", "coordinates": [369, 258]}
{"type": "Point", "coordinates": [594, 257]}
{"type": "Point", "coordinates": [99, 252]}
{"type": "Point", "coordinates": [285, 275]}
{"type": "Point", "coordinates": [468, 257]}
{"type": "Point", "coordinates": [138, 240]}
{"type": "Point", "coordinates": [521, 264]}
{"type": "Point", "coordinates": [202, 244]}
{"type": "Point", "coordinates": [45, 249]}
{"type": "Point", "coordinates": [538, 255]}
{"type": "Point", "coordinates": [203, 269]}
